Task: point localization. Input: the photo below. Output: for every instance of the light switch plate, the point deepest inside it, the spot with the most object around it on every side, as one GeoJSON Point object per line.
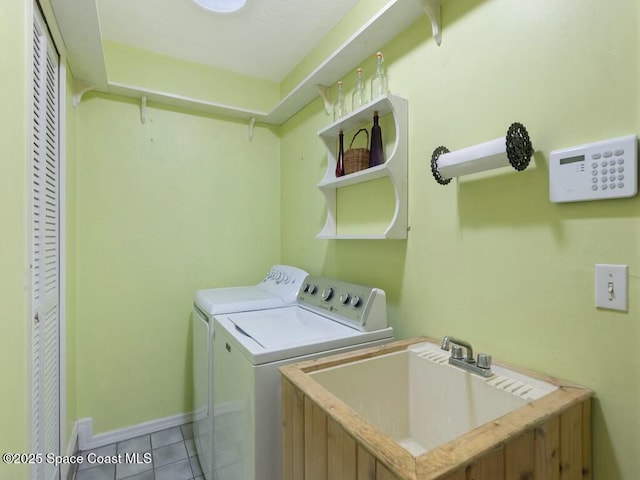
{"type": "Point", "coordinates": [611, 287]}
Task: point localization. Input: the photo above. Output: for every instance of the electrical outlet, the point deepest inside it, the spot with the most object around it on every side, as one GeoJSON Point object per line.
{"type": "Point", "coordinates": [611, 287]}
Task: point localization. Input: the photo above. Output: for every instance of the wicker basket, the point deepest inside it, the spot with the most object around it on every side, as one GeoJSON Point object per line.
{"type": "Point", "coordinates": [356, 159]}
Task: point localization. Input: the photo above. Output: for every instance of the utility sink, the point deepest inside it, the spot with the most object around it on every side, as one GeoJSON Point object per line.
{"type": "Point", "coordinates": [422, 402]}
{"type": "Point", "coordinates": [402, 411]}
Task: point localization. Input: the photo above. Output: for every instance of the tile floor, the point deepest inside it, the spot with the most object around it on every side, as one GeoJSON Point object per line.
{"type": "Point", "coordinates": [172, 458]}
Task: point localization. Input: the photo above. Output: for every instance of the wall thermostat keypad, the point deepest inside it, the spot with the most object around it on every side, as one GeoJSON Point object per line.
{"type": "Point", "coordinates": [594, 171]}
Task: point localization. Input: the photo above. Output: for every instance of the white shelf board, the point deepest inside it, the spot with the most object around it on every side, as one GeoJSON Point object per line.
{"type": "Point", "coordinates": [86, 57]}
{"type": "Point", "coordinates": [80, 29]}
{"type": "Point", "coordinates": [356, 118]}
{"type": "Point", "coordinates": [383, 27]}
{"type": "Point", "coordinates": [365, 175]}
{"type": "Point", "coordinates": [322, 236]}
{"type": "Point", "coordinates": [187, 103]}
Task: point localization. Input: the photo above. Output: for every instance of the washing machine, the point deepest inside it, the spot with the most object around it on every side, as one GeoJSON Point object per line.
{"type": "Point", "coordinates": [279, 288]}
{"type": "Point", "coordinates": [330, 316]}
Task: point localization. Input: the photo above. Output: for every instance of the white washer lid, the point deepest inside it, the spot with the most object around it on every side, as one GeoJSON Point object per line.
{"type": "Point", "coordinates": [236, 299]}
{"type": "Point", "coordinates": [285, 327]}
{"type": "Point", "coordinates": [282, 333]}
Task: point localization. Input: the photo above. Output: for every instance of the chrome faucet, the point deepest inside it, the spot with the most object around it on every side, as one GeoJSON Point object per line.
{"type": "Point", "coordinates": [481, 366]}
{"type": "Point", "coordinates": [447, 340]}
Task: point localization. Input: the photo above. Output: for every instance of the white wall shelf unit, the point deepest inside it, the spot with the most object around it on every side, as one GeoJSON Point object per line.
{"type": "Point", "coordinates": [86, 57]}
{"type": "Point", "coordinates": [395, 166]}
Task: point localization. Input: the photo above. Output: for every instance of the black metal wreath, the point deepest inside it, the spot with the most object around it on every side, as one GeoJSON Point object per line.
{"type": "Point", "coordinates": [519, 148]}
{"type": "Point", "coordinates": [434, 165]}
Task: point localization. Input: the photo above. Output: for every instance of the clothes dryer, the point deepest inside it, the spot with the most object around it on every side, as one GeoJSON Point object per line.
{"type": "Point", "coordinates": [279, 288]}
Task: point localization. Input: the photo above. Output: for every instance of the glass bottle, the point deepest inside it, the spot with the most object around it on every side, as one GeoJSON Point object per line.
{"type": "Point", "coordinates": [359, 96]}
{"type": "Point", "coordinates": [340, 159]}
{"type": "Point", "coordinates": [376, 155]}
{"type": "Point", "coordinates": [339, 110]}
{"type": "Point", "coordinates": [379, 80]}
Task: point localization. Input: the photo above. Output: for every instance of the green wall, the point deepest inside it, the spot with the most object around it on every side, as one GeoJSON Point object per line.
{"type": "Point", "coordinates": [70, 265]}
{"type": "Point", "coordinates": [157, 72]}
{"type": "Point", "coordinates": [489, 258]}
{"type": "Point", "coordinates": [14, 338]}
{"type": "Point", "coordinates": [164, 208]}
{"type": "Point", "coordinates": [156, 211]}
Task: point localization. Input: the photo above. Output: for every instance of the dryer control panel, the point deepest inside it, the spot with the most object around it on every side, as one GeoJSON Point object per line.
{"type": "Point", "coordinates": [357, 306]}
{"type": "Point", "coordinates": [284, 281]}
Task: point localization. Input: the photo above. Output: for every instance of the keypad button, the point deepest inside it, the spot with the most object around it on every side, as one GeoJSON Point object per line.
{"type": "Point", "coordinates": [594, 187]}
{"type": "Point", "coordinates": [596, 155]}
{"type": "Point", "coordinates": [612, 178]}
{"type": "Point", "coordinates": [604, 186]}
{"type": "Point", "coordinates": [594, 164]}
{"type": "Point", "coordinates": [620, 176]}
{"type": "Point", "coordinates": [604, 178]}
{"type": "Point", "coordinates": [612, 186]}
{"type": "Point", "coordinates": [604, 171]}
{"type": "Point", "coordinates": [594, 173]}
{"type": "Point", "coordinates": [594, 180]}
{"type": "Point", "coordinates": [620, 184]}
{"type": "Point", "coordinates": [612, 162]}
{"type": "Point", "coordinates": [612, 169]}
{"type": "Point", "coordinates": [621, 169]}
{"type": "Point", "coordinates": [620, 161]}
{"type": "Point", "coordinates": [606, 154]}
{"type": "Point", "coordinates": [604, 163]}
{"type": "Point", "coordinates": [619, 151]}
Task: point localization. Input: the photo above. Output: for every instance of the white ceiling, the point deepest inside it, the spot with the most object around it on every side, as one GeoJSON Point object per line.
{"type": "Point", "coordinates": [266, 39]}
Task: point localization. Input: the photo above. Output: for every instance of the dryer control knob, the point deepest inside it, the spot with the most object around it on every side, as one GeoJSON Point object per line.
{"type": "Point", "coordinates": [327, 294]}
{"type": "Point", "coordinates": [344, 298]}
{"type": "Point", "coordinates": [356, 301]}
{"type": "Point", "coordinates": [312, 289]}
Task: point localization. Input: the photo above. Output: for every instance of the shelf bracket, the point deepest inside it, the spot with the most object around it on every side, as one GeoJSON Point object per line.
{"type": "Point", "coordinates": [143, 109]}
{"type": "Point", "coordinates": [78, 89]}
{"type": "Point", "coordinates": [432, 7]}
{"type": "Point", "coordinates": [325, 94]}
{"type": "Point", "coordinates": [252, 123]}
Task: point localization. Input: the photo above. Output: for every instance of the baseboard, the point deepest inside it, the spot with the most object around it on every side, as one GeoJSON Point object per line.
{"type": "Point", "coordinates": [67, 471]}
{"type": "Point", "coordinates": [88, 441]}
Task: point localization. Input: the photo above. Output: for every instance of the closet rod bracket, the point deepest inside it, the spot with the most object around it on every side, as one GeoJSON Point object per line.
{"type": "Point", "coordinates": [252, 123]}
{"type": "Point", "coordinates": [143, 109]}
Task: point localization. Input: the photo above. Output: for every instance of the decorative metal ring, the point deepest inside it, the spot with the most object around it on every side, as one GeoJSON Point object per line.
{"type": "Point", "coordinates": [434, 165]}
{"type": "Point", "coordinates": [519, 147]}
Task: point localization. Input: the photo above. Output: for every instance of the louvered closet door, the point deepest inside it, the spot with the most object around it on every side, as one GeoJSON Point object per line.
{"type": "Point", "coordinates": [45, 260]}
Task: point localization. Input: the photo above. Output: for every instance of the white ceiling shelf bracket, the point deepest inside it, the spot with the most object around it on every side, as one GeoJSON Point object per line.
{"type": "Point", "coordinates": [325, 94]}
{"type": "Point", "coordinates": [432, 7]}
{"type": "Point", "coordinates": [252, 124]}
{"type": "Point", "coordinates": [78, 90]}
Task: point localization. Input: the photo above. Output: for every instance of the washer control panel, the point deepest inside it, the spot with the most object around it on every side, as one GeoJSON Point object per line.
{"type": "Point", "coordinates": [357, 306]}
{"type": "Point", "coordinates": [594, 171]}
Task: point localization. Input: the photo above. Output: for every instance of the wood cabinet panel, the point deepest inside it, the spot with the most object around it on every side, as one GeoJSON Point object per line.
{"type": "Point", "coordinates": [323, 439]}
